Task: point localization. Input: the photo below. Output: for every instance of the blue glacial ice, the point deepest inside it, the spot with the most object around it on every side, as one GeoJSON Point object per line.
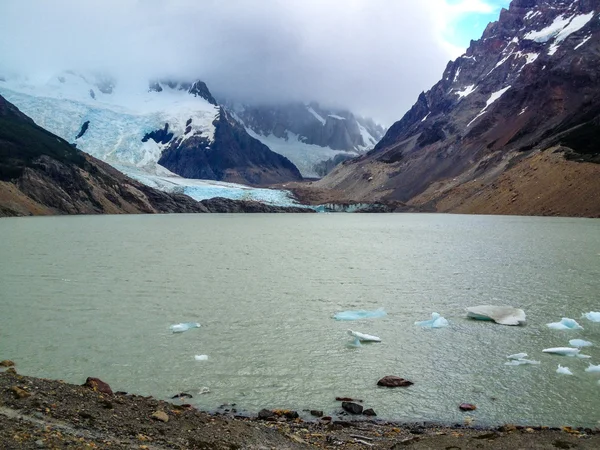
{"type": "Point", "coordinates": [181, 327]}
{"type": "Point", "coordinates": [360, 314]}
{"type": "Point", "coordinates": [436, 321]}
{"type": "Point", "coordinates": [565, 324]}
{"type": "Point", "coordinates": [592, 316]}
{"type": "Point", "coordinates": [580, 343]}
{"type": "Point", "coordinates": [563, 370]}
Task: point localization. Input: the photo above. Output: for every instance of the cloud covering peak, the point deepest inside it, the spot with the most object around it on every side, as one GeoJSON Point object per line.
{"type": "Point", "coordinates": [372, 56]}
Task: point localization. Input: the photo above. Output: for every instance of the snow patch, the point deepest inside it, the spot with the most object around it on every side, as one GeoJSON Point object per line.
{"type": "Point", "coordinates": [335, 116]}
{"type": "Point", "coordinates": [559, 30]}
{"type": "Point", "coordinates": [456, 76]}
{"type": "Point", "coordinates": [587, 38]}
{"type": "Point", "coordinates": [466, 91]}
{"type": "Point", "coordinates": [316, 115]}
{"type": "Point", "coordinates": [495, 96]}
{"type": "Point", "coordinates": [523, 110]}
{"type": "Point", "coordinates": [425, 118]}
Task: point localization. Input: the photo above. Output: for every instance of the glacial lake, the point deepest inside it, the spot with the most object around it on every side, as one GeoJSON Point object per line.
{"type": "Point", "coordinates": [95, 296]}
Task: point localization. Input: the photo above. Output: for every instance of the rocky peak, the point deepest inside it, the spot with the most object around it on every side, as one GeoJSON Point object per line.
{"type": "Point", "coordinates": [198, 88]}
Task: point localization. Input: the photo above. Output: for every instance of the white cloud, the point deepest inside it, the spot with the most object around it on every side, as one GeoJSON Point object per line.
{"type": "Point", "coordinates": [373, 56]}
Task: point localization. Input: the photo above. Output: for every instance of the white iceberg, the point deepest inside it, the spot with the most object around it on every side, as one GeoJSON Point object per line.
{"type": "Point", "coordinates": [580, 343]}
{"type": "Point", "coordinates": [436, 321]}
{"type": "Point", "coordinates": [563, 370]}
{"type": "Point", "coordinates": [565, 324]}
{"type": "Point", "coordinates": [360, 314]}
{"type": "Point", "coordinates": [564, 351]}
{"type": "Point", "coordinates": [517, 356]}
{"type": "Point", "coordinates": [580, 356]}
{"type": "Point", "coordinates": [201, 357]}
{"type": "Point", "coordinates": [592, 316]}
{"type": "Point", "coordinates": [181, 327]}
{"type": "Point", "coordinates": [364, 337]}
{"type": "Point", "coordinates": [504, 315]}
{"type": "Point", "coordinates": [521, 362]}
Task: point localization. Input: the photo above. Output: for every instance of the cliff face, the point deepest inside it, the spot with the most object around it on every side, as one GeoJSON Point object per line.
{"type": "Point", "coordinates": [42, 174]}
{"type": "Point", "coordinates": [530, 83]}
{"type": "Point", "coordinates": [233, 156]}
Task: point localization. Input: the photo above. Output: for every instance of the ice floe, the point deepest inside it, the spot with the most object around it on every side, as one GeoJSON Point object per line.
{"type": "Point", "coordinates": [181, 327]}
{"type": "Point", "coordinates": [364, 337]}
{"type": "Point", "coordinates": [436, 321]}
{"type": "Point", "coordinates": [504, 315]}
{"type": "Point", "coordinates": [521, 362]}
{"type": "Point", "coordinates": [360, 314]}
{"type": "Point", "coordinates": [592, 316]}
{"type": "Point", "coordinates": [563, 370]}
{"type": "Point", "coordinates": [201, 357]}
{"type": "Point", "coordinates": [580, 343]}
{"type": "Point", "coordinates": [517, 356]}
{"type": "Point", "coordinates": [565, 324]}
{"type": "Point", "coordinates": [564, 351]}
{"type": "Point", "coordinates": [592, 368]}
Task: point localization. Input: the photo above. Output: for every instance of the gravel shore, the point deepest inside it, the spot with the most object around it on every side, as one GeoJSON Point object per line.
{"type": "Point", "coordinates": [39, 413]}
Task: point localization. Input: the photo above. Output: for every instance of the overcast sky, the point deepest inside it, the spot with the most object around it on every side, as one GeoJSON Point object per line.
{"type": "Point", "coordinates": [372, 56]}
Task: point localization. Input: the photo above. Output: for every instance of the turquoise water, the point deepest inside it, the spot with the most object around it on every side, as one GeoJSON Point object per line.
{"type": "Point", "coordinates": [95, 296]}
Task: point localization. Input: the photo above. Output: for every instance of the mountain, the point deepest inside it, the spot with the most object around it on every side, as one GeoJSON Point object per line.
{"type": "Point", "coordinates": [309, 135]}
{"type": "Point", "coordinates": [178, 123]}
{"type": "Point", "coordinates": [514, 121]}
{"type": "Point", "coordinates": [42, 174]}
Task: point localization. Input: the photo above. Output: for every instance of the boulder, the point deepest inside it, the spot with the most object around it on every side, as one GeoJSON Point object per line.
{"type": "Point", "coordinates": [352, 408]}
{"type": "Point", "coordinates": [316, 413]}
{"type": "Point", "coordinates": [20, 392]}
{"type": "Point", "coordinates": [265, 414]}
{"type": "Point", "coordinates": [394, 381]}
{"type": "Point", "coordinates": [98, 385]}
{"type": "Point", "coordinates": [7, 363]}
{"type": "Point", "coordinates": [160, 416]}
{"type": "Point", "coordinates": [467, 407]}
{"type": "Point", "coordinates": [369, 412]}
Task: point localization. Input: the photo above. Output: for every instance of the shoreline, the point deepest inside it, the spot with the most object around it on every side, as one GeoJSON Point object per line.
{"type": "Point", "coordinates": [43, 413]}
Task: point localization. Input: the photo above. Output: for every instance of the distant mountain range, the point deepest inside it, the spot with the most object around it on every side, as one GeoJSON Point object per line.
{"type": "Point", "coordinates": [502, 129]}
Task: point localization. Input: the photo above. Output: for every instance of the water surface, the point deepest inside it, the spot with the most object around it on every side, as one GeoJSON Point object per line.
{"type": "Point", "coordinates": [95, 295]}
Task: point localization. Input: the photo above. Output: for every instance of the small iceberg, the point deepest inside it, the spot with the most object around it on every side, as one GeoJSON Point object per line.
{"type": "Point", "coordinates": [564, 351]}
{"type": "Point", "coordinates": [592, 316]}
{"type": "Point", "coordinates": [580, 343]}
{"type": "Point", "coordinates": [360, 314]}
{"type": "Point", "coordinates": [436, 321]}
{"type": "Point", "coordinates": [580, 356]}
{"type": "Point", "coordinates": [563, 370]}
{"type": "Point", "coordinates": [201, 357]}
{"type": "Point", "coordinates": [565, 324]}
{"type": "Point", "coordinates": [521, 362]}
{"type": "Point", "coordinates": [518, 359]}
{"type": "Point", "coordinates": [181, 327]}
{"type": "Point", "coordinates": [364, 337]}
{"type": "Point", "coordinates": [593, 369]}
{"type": "Point", "coordinates": [504, 315]}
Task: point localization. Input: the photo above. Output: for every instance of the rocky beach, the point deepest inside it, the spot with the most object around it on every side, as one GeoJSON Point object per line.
{"type": "Point", "coordinates": [41, 413]}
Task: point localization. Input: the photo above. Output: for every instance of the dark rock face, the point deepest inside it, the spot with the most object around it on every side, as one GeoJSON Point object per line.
{"type": "Point", "coordinates": [98, 385]}
{"type": "Point", "coordinates": [352, 408]}
{"type": "Point", "coordinates": [234, 156]}
{"type": "Point", "coordinates": [324, 167]}
{"type": "Point", "coordinates": [162, 136]}
{"type": "Point", "coordinates": [519, 88]}
{"type": "Point", "coordinates": [394, 381]}
{"type": "Point", "coordinates": [83, 129]}
{"type": "Point", "coordinates": [199, 89]}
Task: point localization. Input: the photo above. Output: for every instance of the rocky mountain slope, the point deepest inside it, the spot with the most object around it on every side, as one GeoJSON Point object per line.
{"type": "Point", "coordinates": [531, 83]}
{"type": "Point", "coordinates": [42, 174]}
{"type": "Point", "coordinates": [136, 126]}
{"type": "Point", "coordinates": [310, 135]}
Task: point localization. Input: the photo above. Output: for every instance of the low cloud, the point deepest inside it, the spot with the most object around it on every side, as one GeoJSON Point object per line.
{"type": "Point", "coordinates": [372, 56]}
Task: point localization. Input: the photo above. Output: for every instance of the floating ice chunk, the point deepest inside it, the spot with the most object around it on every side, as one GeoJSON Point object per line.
{"type": "Point", "coordinates": [592, 368]}
{"type": "Point", "coordinates": [360, 314]}
{"type": "Point", "coordinates": [181, 327]}
{"type": "Point", "coordinates": [201, 357]}
{"type": "Point", "coordinates": [565, 324]}
{"type": "Point", "coordinates": [592, 316]}
{"type": "Point", "coordinates": [517, 356]}
{"type": "Point", "coordinates": [580, 343]}
{"type": "Point", "coordinates": [520, 362]}
{"type": "Point", "coordinates": [564, 351]}
{"type": "Point", "coordinates": [363, 337]}
{"type": "Point", "coordinates": [563, 370]}
{"type": "Point", "coordinates": [203, 390]}
{"type": "Point", "coordinates": [580, 356]}
{"type": "Point", "coordinates": [436, 321]}
{"type": "Point", "coordinates": [504, 315]}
